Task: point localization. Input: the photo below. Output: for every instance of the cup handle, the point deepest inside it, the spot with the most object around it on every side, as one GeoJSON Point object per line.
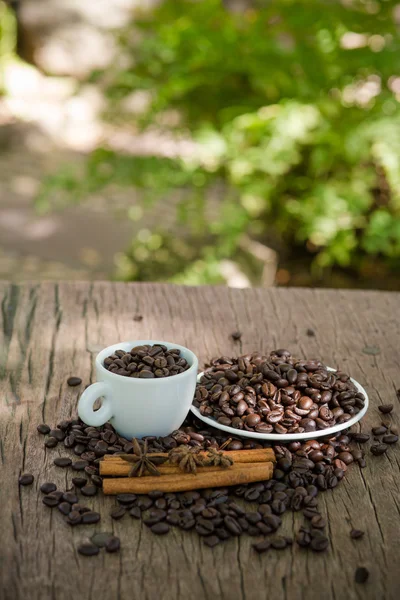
{"type": "Point", "coordinates": [89, 397]}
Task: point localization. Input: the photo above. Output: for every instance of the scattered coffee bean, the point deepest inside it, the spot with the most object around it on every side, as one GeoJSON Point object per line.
{"type": "Point", "coordinates": [80, 465]}
{"type": "Point", "coordinates": [138, 318]}
{"type": "Point", "coordinates": [211, 541]}
{"type": "Point", "coordinates": [356, 534]}
{"type": "Point", "coordinates": [26, 479]}
{"type": "Point", "coordinates": [360, 438]}
{"type": "Point", "coordinates": [74, 381]}
{"type": "Point", "coordinates": [385, 408]}
{"type": "Point", "coordinates": [51, 442]}
{"type": "Point", "coordinates": [62, 461]}
{"type": "Point", "coordinates": [64, 508]}
{"type": "Point", "coordinates": [378, 449]}
{"type": "Point", "coordinates": [361, 575]}
{"type": "Point", "coordinates": [79, 482]}
{"type": "Point", "coordinates": [319, 544]}
{"type": "Point", "coordinates": [390, 438]}
{"type": "Point", "coordinates": [262, 546]}
{"type": "Point", "coordinates": [43, 429]}
{"type": "Point", "coordinates": [74, 518]}
{"type": "Point", "coordinates": [236, 336]}
{"type": "Point", "coordinates": [89, 490]}
{"type": "Point", "coordinates": [50, 500]}
{"type": "Point", "coordinates": [70, 497]}
{"type": "Point", "coordinates": [135, 512]}
{"type": "Point", "coordinates": [90, 517]}
{"type": "Point", "coordinates": [126, 498]}
{"type": "Point", "coordinates": [58, 434]}
{"type": "Point", "coordinates": [160, 528]}
{"type": "Point", "coordinates": [118, 512]}
{"type": "Point", "coordinates": [88, 549]}
{"type": "Point", "coordinates": [113, 544]}
{"type": "Point", "coordinates": [46, 488]}
{"type": "Point", "coordinates": [379, 430]}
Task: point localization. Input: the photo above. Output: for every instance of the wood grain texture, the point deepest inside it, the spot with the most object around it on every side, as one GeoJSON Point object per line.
{"type": "Point", "coordinates": [49, 332]}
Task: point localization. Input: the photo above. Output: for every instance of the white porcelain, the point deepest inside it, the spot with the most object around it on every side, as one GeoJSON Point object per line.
{"type": "Point", "coordinates": [288, 437]}
{"type": "Point", "coordinates": [139, 407]}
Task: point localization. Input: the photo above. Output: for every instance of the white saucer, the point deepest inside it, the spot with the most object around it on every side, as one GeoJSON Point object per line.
{"type": "Point", "coordinates": [287, 437]}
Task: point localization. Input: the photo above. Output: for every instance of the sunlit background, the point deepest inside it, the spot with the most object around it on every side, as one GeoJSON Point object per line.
{"type": "Point", "coordinates": [201, 141]}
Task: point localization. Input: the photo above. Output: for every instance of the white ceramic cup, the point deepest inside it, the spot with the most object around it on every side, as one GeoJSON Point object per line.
{"type": "Point", "coordinates": [139, 407]}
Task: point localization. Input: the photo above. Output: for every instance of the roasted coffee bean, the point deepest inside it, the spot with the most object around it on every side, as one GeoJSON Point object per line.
{"type": "Point", "coordinates": [262, 546]}
{"type": "Point", "coordinates": [113, 544]}
{"type": "Point", "coordinates": [211, 541]}
{"type": "Point", "coordinates": [361, 575]}
{"type": "Point", "coordinates": [70, 497]}
{"type": "Point", "coordinates": [379, 449]}
{"type": "Point", "coordinates": [232, 525]}
{"type": "Point", "coordinates": [80, 465]}
{"type": "Point", "coordinates": [74, 518]}
{"type": "Point", "coordinates": [51, 442]}
{"type": "Point", "coordinates": [385, 408]}
{"type": "Point", "coordinates": [62, 461]}
{"type": "Point", "coordinates": [147, 362]}
{"type": "Point", "coordinates": [74, 381]}
{"type": "Point", "coordinates": [318, 522]}
{"type": "Point", "coordinates": [276, 393]}
{"type": "Point", "coordinates": [90, 517]}
{"type": "Point", "coordinates": [144, 502]}
{"type": "Point", "coordinates": [47, 488]}
{"type": "Point", "coordinates": [64, 508]}
{"type": "Point", "coordinates": [361, 438]}
{"type": "Point", "coordinates": [160, 528]}
{"type": "Point", "coordinates": [173, 518]}
{"type": "Point", "coordinates": [135, 512]}
{"type": "Point", "coordinates": [43, 428]}
{"type": "Point", "coordinates": [279, 543]}
{"type": "Point", "coordinates": [356, 534]}
{"type": "Point", "coordinates": [89, 490]}
{"type": "Point", "coordinates": [79, 482]}
{"type": "Point", "coordinates": [50, 500]}
{"type": "Point", "coordinates": [88, 549]}
{"type": "Point", "coordinates": [379, 430]}
{"type": "Point", "coordinates": [118, 512]}
{"type": "Point", "coordinates": [303, 538]}
{"type": "Point", "coordinates": [127, 498]}
{"type": "Point", "coordinates": [390, 438]}
{"type": "Point", "coordinates": [80, 508]}
{"type": "Point", "coordinates": [204, 527]}
{"type": "Point", "coordinates": [319, 544]}
{"type": "Point", "coordinates": [58, 434]}
{"type": "Point", "coordinates": [26, 479]}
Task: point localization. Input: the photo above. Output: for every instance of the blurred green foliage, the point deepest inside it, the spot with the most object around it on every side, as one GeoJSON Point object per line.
{"type": "Point", "coordinates": [295, 107]}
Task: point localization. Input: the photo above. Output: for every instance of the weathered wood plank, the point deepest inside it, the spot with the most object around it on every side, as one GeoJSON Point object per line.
{"type": "Point", "coordinates": [49, 331]}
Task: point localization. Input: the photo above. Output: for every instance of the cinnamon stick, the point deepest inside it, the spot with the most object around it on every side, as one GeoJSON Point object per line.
{"type": "Point", "coordinates": [115, 465]}
{"type": "Point", "coordinates": [208, 477]}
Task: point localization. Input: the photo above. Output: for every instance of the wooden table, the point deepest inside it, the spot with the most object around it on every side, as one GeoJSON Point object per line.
{"type": "Point", "coordinates": [49, 332]}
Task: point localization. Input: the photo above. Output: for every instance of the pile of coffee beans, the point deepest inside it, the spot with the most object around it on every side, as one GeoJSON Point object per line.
{"type": "Point", "coordinates": [276, 394]}
{"type": "Point", "coordinates": [147, 362]}
{"type": "Point", "coordinates": [301, 472]}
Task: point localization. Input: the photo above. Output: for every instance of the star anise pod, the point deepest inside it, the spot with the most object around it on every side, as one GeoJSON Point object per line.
{"type": "Point", "coordinates": [142, 460]}
{"type": "Point", "coordinates": [187, 458]}
{"type": "Point", "coordinates": [218, 459]}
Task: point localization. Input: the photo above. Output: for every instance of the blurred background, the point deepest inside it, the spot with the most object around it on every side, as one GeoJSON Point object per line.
{"type": "Point", "coordinates": [240, 142]}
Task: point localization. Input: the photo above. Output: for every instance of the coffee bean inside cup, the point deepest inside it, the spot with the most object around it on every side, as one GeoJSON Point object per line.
{"type": "Point", "coordinates": [147, 362]}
